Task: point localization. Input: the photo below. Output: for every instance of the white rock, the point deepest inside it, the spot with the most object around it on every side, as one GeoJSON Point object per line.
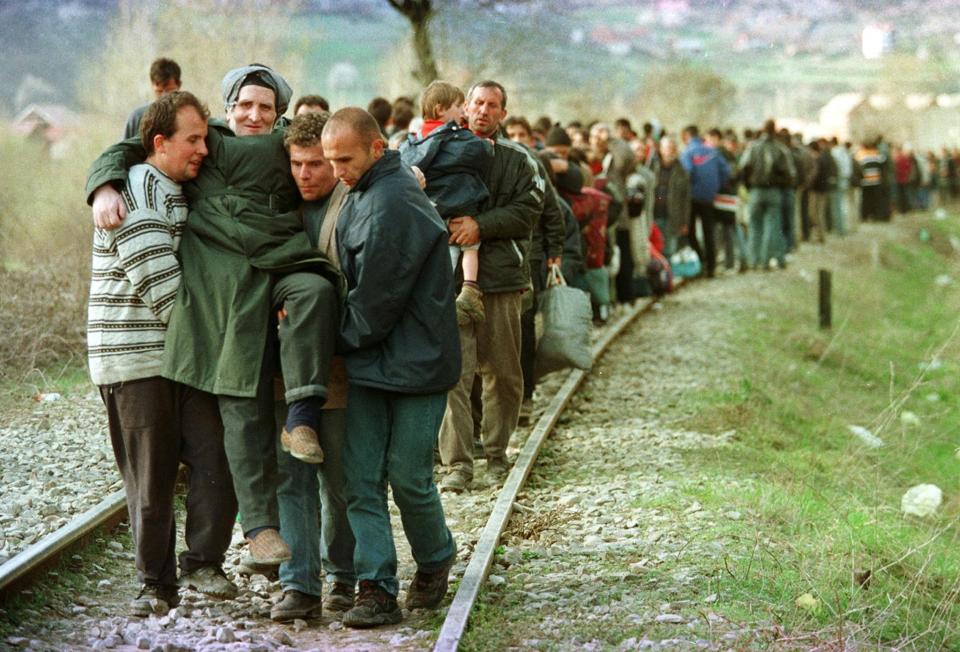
{"type": "Point", "coordinates": [496, 580]}
{"type": "Point", "coordinates": [143, 643]}
{"type": "Point", "coordinates": [909, 418]}
{"type": "Point", "coordinates": [869, 439]}
{"type": "Point", "coordinates": [943, 280]}
{"type": "Point", "coordinates": [671, 618]}
{"type": "Point", "coordinates": [921, 500]}
{"type": "Point", "coordinates": [225, 635]}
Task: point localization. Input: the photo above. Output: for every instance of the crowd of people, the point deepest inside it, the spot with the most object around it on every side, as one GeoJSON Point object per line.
{"type": "Point", "coordinates": [304, 312]}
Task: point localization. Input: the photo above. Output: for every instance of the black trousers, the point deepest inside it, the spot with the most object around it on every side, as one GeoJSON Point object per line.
{"type": "Point", "coordinates": [155, 424]}
{"type": "Point", "coordinates": [706, 213]}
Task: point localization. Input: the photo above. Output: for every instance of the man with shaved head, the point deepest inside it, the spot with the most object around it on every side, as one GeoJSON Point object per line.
{"type": "Point", "coordinates": [400, 341]}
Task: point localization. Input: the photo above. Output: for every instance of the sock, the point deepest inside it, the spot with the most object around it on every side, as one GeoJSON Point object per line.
{"type": "Point", "coordinates": [304, 412]}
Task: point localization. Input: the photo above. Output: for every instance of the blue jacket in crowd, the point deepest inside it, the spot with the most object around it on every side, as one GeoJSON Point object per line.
{"type": "Point", "coordinates": [707, 169]}
{"type": "Point", "coordinates": [399, 329]}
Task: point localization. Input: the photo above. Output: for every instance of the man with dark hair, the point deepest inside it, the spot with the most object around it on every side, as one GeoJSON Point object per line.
{"type": "Point", "coordinates": [155, 423]}
{"type": "Point", "coordinates": [310, 103]}
{"type": "Point", "coordinates": [492, 348]}
{"type": "Point", "coordinates": [380, 108]}
{"type": "Point", "coordinates": [165, 78]}
{"type": "Point", "coordinates": [768, 169]}
{"type": "Point", "coordinates": [399, 341]}
{"type": "Point", "coordinates": [325, 547]}
{"type": "Point", "coordinates": [708, 172]}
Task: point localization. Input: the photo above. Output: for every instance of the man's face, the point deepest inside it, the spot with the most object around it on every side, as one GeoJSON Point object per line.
{"type": "Point", "coordinates": [167, 86]}
{"type": "Point", "coordinates": [349, 155]}
{"type": "Point", "coordinates": [485, 110]}
{"type": "Point", "coordinates": [254, 113]}
{"type": "Point", "coordinates": [180, 156]}
{"type": "Point", "coordinates": [563, 151]}
{"type": "Point", "coordinates": [312, 172]}
{"type": "Point", "coordinates": [598, 140]}
{"type": "Point", "coordinates": [712, 140]}
{"type": "Point", "coordinates": [518, 134]}
{"type": "Point", "coordinates": [668, 151]}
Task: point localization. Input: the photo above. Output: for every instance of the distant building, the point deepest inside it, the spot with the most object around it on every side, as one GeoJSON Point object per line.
{"type": "Point", "coordinates": [50, 124]}
{"type": "Point", "coordinates": [923, 120]}
{"type": "Point", "coordinates": [876, 41]}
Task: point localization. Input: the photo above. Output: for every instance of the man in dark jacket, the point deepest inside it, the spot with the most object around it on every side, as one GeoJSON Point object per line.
{"type": "Point", "coordinates": [502, 226]}
{"type": "Point", "coordinates": [708, 172]}
{"type": "Point", "coordinates": [768, 169]}
{"type": "Point", "coordinates": [399, 339]}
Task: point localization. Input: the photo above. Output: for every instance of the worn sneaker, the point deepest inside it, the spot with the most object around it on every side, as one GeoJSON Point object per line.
{"type": "Point", "coordinates": [498, 467]}
{"type": "Point", "coordinates": [295, 604]}
{"type": "Point", "coordinates": [374, 607]}
{"type": "Point", "coordinates": [154, 599]}
{"type": "Point", "coordinates": [303, 444]}
{"type": "Point", "coordinates": [428, 588]}
{"type": "Point", "coordinates": [268, 548]}
{"type": "Point", "coordinates": [339, 597]}
{"type": "Point", "coordinates": [209, 580]}
{"type": "Point", "coordinates": [456, 481]}
{"type": "Point", "coordinates": [470, 305]}
{"type": "Point", "coordinates": [249, 567]}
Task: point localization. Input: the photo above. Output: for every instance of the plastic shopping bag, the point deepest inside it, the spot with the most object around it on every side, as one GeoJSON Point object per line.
{"type": "Point", "coordinates": [567, 318]}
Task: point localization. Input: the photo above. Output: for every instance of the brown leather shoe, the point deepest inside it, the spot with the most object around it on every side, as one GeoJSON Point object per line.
{"type": "Point", "coordinates": [303, 444]}
{"type": "Point", "coordinates": [268, 548]}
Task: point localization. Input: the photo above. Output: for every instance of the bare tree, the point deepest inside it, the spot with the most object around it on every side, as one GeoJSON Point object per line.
{"type": "Point", "coordinates": [419, 13]}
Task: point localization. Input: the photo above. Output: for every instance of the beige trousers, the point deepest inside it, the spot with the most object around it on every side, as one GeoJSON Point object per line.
{"type": "Point", "coordinates": [491, 349]}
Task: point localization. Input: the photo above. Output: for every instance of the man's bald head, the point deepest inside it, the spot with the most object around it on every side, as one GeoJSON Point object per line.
{"type": "Point", "coordinates": [352, 142]}
{"type": "Point", "coordinates": [355, 119]}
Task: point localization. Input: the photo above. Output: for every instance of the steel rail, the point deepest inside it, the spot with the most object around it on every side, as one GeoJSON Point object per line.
{"type": "Point", "coordinates": [40, 555]}
{"type": "Point", "coordinates": [455, 623]}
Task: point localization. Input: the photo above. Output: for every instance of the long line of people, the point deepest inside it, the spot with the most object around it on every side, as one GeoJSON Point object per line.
{"type": "Point", "coordinates": [297, 308]}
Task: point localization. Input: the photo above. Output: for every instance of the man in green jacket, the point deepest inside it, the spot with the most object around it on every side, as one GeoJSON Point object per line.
{"type": "Point", "coordinates": [502, 227]}
{"type": "Point", "coordinates": [243, 254]}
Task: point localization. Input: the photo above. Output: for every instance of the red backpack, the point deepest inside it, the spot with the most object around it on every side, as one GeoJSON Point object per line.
{"type": "Point", "coordinates": [590, 207]}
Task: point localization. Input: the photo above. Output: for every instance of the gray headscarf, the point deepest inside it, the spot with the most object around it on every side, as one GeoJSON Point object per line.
{"type": "Point", "coordinates": [234, 80]}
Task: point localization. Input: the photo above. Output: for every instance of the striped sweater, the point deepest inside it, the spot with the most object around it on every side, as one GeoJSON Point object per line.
{"type": "Point", "coordinates": [136, 275]}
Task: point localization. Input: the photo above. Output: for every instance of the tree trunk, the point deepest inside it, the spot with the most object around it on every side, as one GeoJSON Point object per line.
{"type": "Point", "coordinates": [419, 13]}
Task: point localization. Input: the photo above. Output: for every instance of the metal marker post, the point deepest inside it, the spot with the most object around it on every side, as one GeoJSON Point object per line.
{"type": "Point", "coordinates": [825, 299]}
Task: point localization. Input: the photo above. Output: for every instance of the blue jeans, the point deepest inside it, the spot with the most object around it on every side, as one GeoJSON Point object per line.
{"type": "Point", "coordinates": [313, 511]}
{"type": "Point", "coordinates": [766, 226]}
{"type": "Point", "coordinates": [392, 437]}
{"type": "Point", "coordinates": [788, 197]}
{"type": "Point", "coordinates": [838, 209]}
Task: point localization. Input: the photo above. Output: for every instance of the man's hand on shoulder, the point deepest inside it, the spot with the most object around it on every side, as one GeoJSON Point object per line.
{"type": "Point", "coordinates": [464, 231]}
{"type": "Point", "coordinates": [108, 208]}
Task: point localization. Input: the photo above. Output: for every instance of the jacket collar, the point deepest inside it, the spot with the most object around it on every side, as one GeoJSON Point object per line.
{"type": "Point", "coordinates": [387, 164]}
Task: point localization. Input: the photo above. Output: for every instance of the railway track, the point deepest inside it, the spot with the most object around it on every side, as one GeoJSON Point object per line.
{"type": "Point", "coordinates": [30, 564]}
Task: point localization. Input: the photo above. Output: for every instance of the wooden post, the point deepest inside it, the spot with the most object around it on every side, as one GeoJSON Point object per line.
{"type": "Point", "coordinates": [825, 303]}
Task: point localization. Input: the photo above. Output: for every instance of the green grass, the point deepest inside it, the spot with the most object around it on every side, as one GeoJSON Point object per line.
{"type": "Point", "coordinates": [818, 512]}
{"type": "Point", "coordinates": [827, 506]}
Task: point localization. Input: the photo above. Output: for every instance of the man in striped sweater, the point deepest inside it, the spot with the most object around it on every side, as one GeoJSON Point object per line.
{"type": "Point", "coordinates": [157, 423]}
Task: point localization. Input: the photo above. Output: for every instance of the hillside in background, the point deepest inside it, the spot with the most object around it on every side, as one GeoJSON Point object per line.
{"type": "Point", "coordinates": [565, 57]}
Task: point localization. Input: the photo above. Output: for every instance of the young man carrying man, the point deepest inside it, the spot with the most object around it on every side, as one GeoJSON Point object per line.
{"type": "Point", "coordinates": [399, 338]}
{"type": "Point", "coordinates": [245, 256]}
{"type": "Point", "coordinates": [156, 423]}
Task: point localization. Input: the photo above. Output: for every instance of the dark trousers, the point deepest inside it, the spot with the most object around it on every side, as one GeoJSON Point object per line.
{"type": "Point", "coordinates": [528, 334]}
{"type": "Point", "coordinates": [626, 292]}
{"type": "Point", "coordinates": [706, 213]}
{"type": "Point", "coordinates": [154, 425]}
{"type": "Point", "coordinates": [307, 339]}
